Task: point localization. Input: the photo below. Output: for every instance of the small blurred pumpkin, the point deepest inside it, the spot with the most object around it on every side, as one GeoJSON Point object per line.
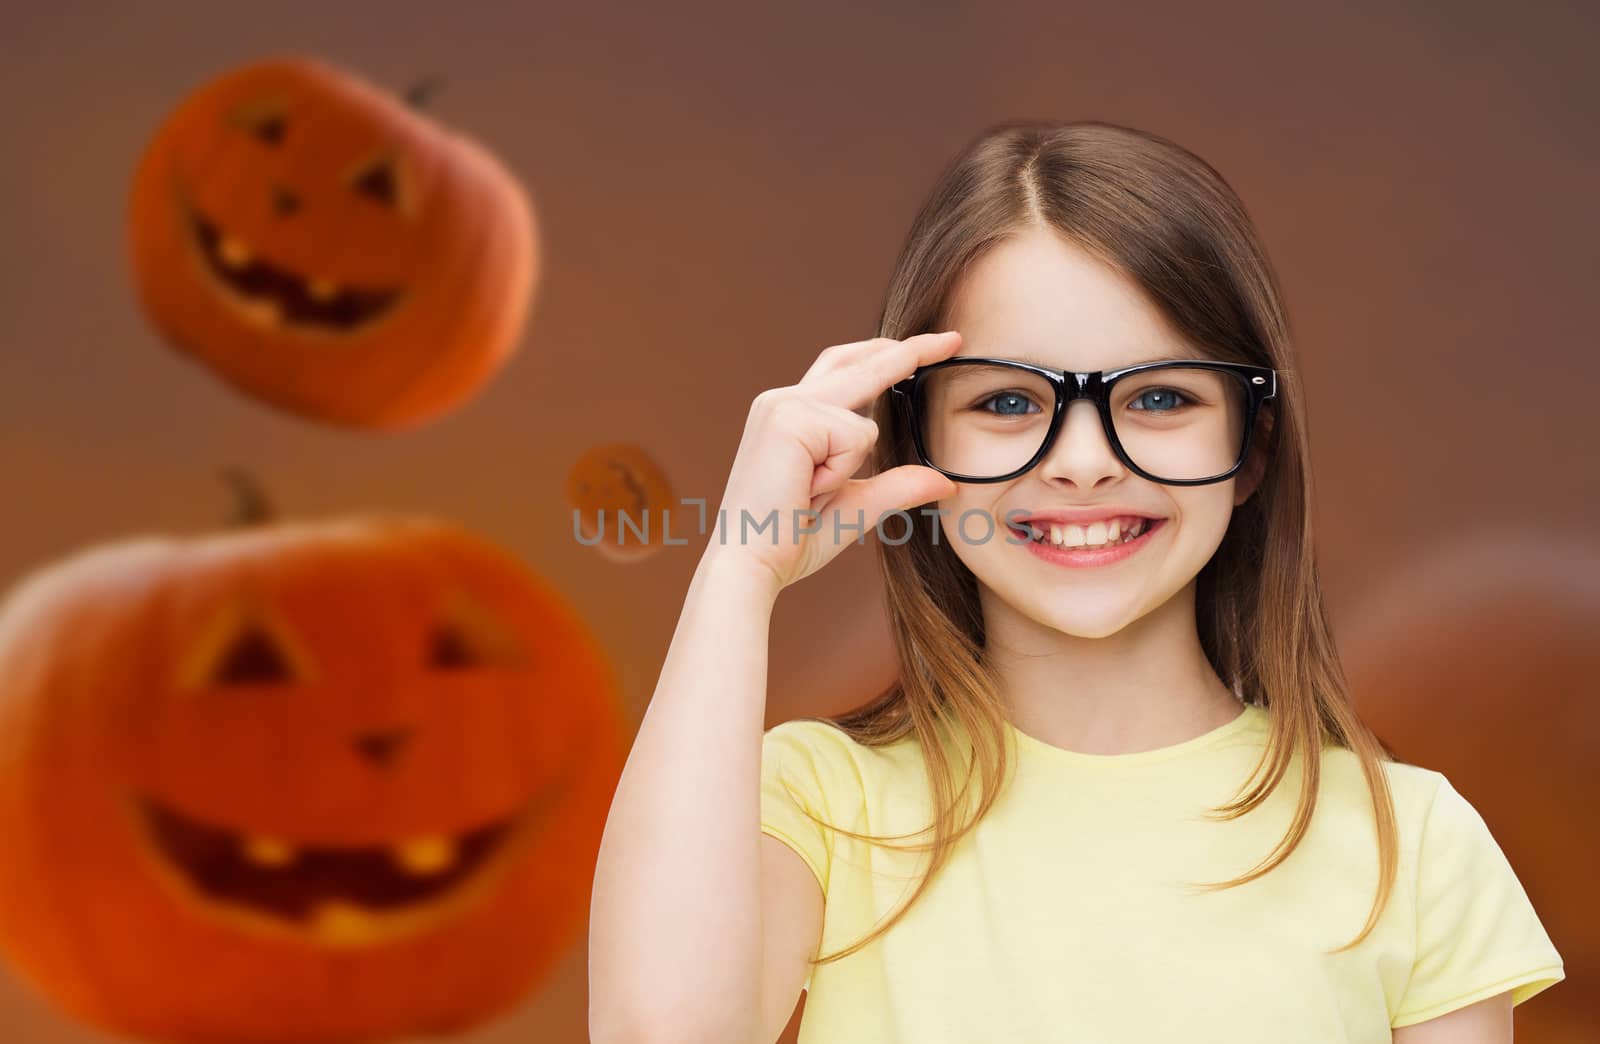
{"type": "Point", "coordinates": [301, 781]}
{"type": "Point", "coordinates": [1479, 660]}
{"type": "Point", "coordinates": [617, 479]}
{"type": "Point", "coordinates": [326, 248]}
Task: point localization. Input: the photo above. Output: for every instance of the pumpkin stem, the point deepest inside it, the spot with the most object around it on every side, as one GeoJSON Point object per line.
{"type": "Point", "coordinates": [250, 504]}
{"type": "Point", "coordinates": [419, 93]}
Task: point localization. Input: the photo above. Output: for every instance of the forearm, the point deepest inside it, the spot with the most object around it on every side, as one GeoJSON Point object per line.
{"type": "Point", "coordinates": [675, 932]}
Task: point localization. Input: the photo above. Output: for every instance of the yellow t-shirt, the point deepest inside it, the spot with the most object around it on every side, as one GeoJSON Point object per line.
{"type": "Point", "coordinates": [1064, 916]}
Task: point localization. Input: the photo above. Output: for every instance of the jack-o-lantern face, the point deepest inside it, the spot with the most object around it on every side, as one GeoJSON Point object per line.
{"type": "Point", "coordinates": [332, 893]}
{"type": "Point", "coordinates": [359, 767]}
{"type": "Point", "coordinates": [324, 247]}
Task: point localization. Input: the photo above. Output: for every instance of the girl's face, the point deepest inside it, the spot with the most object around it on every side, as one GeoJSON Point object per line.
{"type": "Point", "coordinates": [1040, 298]}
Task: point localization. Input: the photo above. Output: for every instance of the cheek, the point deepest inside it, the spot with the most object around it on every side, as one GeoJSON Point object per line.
{"type": "Point", "coordinates": [977, 534]}
{"type": "Point", "coordinates": [968, 524]}
{"type": "Point", "coordinates": [1201, 518]}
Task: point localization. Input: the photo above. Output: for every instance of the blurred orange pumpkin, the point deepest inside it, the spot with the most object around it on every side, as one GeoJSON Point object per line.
{"type": "Point", "coordinates": [314, 781]}
{"type": "Point", "coordinates": [1479, 660]}
{"type": "Point", "coordinates": [324, 247]}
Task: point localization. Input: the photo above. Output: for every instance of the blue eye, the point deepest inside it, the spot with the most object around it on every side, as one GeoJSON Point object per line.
{"type": "Point", "coordinates": [1170, 398]}
{"type": "Point", "coordinates": [1014, 404]}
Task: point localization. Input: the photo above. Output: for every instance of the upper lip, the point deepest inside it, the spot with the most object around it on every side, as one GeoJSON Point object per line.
{"type": "Point", "coordinates": [1079, 516]}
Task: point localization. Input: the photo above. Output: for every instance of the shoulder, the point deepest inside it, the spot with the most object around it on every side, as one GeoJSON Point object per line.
{"type": "Point", "coordinates": [1451, 835]}
{"type": "Point", "coordinates": [1442, 836]}
{"type": "Point", "coordinates": [806, 745]}
{"type": "Point", "coordinates": [824, 751]}
{"type": "Point", "coordinates": [805, 734]}
{"type": "Point", "coordinates": [828, 763]}
{"type": "Point", "coordinates": [1348, 806]}
{"type": "Point", "coordinates": [1413, 788]}
{"type": "Point", "coordinates": [820, 742]}
{"type": "Point", "coordinates": [1446, 840]}
{"type": "Point", "coordinates": [1428, 806]}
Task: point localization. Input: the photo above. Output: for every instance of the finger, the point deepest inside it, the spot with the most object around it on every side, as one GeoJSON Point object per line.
{"type": "Point", "coordinates": [897, 489]}
{"type": "Point", "coordinates": [836, 470]}
{"type": "Point", "coordinates": [850, 438]}
{"type": "Point", "coordinates": [864, 376]}
{"type": "Point", "coordinates": [833, 355]}
{"type": "Point", "coordinates": [817, 426]}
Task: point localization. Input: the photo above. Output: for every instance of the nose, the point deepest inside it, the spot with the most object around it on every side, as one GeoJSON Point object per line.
{"type": "Point", "coordinates": [380, 747]}
{"type": "Point", "coordinates": [284, 202]}
{"type": "Point", "coordinates": [1081, 452]}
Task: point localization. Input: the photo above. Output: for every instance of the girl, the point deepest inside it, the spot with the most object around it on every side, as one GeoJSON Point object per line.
{"type": "Point", "coordinates": [1119, 791]}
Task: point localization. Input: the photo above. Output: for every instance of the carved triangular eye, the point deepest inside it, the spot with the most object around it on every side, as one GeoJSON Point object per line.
{"type": "Point", "coordinates": [253, 657]}
{"type": "Point", "coordinates": [378, 182]}
{"type": "Point", "coordinates": [450, 650]}
{"type": "Point", "coordinates": [263, 120]}
{"type": "Point", "coordinates": [271, 129]}
{"type": "Point", "coordinates": [469, 635]}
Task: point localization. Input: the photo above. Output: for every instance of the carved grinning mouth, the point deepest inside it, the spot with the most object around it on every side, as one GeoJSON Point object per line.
{"type": "Point", "coordinates": [292, 882]}
{"type": "Point", "coordinates": [338, 895]}
{"type": "Point", "coordinates": [275, 296]}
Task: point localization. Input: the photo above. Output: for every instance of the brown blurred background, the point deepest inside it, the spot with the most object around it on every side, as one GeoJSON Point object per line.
{"type": "Point", "coordinates": [721, 189]}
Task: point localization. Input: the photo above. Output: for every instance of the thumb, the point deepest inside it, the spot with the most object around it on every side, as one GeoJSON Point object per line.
{"type": "Point", "coordinates": [894, 490]}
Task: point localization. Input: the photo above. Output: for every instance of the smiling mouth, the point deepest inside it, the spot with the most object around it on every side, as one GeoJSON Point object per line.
{"type": "Point", "coordinates": [272, 296]}
{"type": "Point", "coordinates": [335, 895]}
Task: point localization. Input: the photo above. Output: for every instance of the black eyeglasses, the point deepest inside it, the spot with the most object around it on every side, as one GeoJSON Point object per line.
{"type": "Point", "coordinates": [1183, 422]}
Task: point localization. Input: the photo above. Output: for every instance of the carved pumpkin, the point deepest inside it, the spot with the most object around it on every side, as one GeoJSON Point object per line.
{"type": "Point", "coordinates": [618, 479]}
{"type": "Point", "coordinates": [1480, 661]}
{"type": "Point", "coordinates": [324, 247]}
{"type": "Point", "coordinates": [317, 781]}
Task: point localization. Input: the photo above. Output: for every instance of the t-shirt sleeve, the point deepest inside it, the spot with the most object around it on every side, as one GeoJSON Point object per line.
{"type": "Point", "coordinates": [1477, 932]}
{"type": "Point", "coordinates": [795, 779]}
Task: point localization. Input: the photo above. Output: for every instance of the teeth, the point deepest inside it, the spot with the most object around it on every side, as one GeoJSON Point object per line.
{"type": "Point", "coordinates": [323, 289]}
{"type": "Point", "coordinates": [267, 851]}
{"type": "Point", "coordinates": [425, 856]}
{"type": "Point", "coordinates": [1096, 534]}
{"type": "Point", "coordinates": [234, 253]}
{"type": "Point", "coordinates": [263, 311]}
{"type": "Point", "coordinates": [342, 924]}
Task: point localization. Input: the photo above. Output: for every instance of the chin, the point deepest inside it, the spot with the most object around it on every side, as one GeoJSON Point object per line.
{"type": "Point", "coordinates": [1092, 630]}
{"type": "Point", "coordinates": [1069, 612]}
{"type": "Point", "coordinates": [1087, 625]}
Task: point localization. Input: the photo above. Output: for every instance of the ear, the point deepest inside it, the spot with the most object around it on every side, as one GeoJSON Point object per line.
{"type": "Point", "coordinates": [1255, 465]}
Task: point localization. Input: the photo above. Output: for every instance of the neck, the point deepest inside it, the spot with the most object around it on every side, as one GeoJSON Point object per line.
{"type": "Point", "coordinates": [1149, 685]}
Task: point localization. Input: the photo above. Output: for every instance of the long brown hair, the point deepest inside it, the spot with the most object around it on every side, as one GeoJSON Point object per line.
{"type": "Point", "coordinates": [1166, 218]}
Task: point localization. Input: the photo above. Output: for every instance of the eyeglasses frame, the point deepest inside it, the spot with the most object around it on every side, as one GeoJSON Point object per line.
{"type": "Point", "coordinates": [1260, 382]}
